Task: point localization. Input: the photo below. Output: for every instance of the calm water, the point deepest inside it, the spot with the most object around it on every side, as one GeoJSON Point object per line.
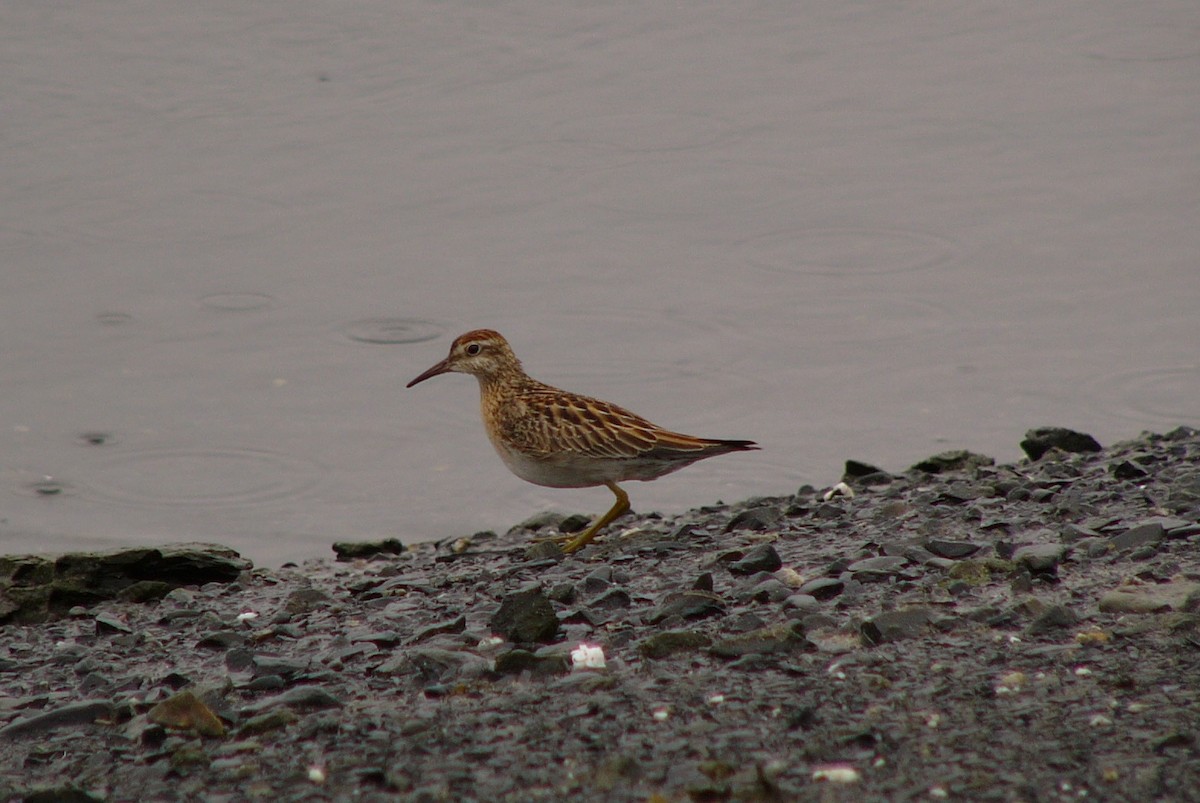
{"type": "Point", "coordinates": [231, 232]}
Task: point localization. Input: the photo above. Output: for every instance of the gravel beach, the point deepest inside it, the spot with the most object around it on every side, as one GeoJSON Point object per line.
{"type": "Point", "coordinates": [957, 631]}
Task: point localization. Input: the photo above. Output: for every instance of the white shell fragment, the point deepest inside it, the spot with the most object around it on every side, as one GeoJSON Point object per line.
{"type": "Point", "coordinates": [585, 656]}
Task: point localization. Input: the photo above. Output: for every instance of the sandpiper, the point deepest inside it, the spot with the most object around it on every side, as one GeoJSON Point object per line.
{"type": "Point", "coordinates": [560, 439]}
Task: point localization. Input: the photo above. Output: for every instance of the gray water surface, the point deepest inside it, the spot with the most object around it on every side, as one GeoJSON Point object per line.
{"type": "Point", "coordinates": [231, 232]}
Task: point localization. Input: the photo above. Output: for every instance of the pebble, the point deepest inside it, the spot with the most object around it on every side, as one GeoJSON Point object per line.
{"type": "Point", "coordinates": [1177, 595]}
{"type": "Point", "coordinates": [525, 616]}
{"type": "Point", "coordinates": [762, 558]}
{"type": "Point", "coordinates": [896, 625]}
{"type": "Point", "coordinates": [1042, 439]}
{"type": "Point", "coordinates": [1040, 558]}
{"type": "Point", "coordinates": [415, 676]}
{"type": "Point", "coordinates": [954, 550]}
{"type": "Point", "coordinates": [1147, 534]}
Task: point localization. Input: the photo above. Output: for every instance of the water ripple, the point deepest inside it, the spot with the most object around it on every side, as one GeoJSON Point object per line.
{"type": "Point", "coordinates": [390, 331]}
{"type": "Point", "coordinates": [843, 251]}
{"type": "Point", "coordinates": [186, 477]}
{"type": "Point", "coordinates": [1167, 393]}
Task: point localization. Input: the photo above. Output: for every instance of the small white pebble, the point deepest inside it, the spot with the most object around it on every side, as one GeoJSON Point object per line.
{"type": "Point", "coordinates": [246, 616]}
{"type": "Point", "coordinates": [841, 489]}
{"type": "Point", "coordinates": [716, 699]}
{"type": "Point", "coordinates": [1136, 708]}
{"type": "Point", "coordinates": [1081, 671]}
{"type": "Point", "coordinates": [1099, 721]}
{"type": "Point", "coordinates": [837, 773]}
{"type": "Point", "coordinates": [316, 774]}
{"type": "Point", "coordinates": [490, 641]}
{"type": "Point", "coordinates": [661, 714]}
{"type": "Point", "coordinates": [1011, 683]}
{"type": "Point", "coordinates": [1014, 639]}
{"type": "Point", "coordinates": [585, 656]}
{"type": "Point", "coordinates": [939, 792]}
{"type": "Point", "coordinates": [790, 577]}
{"type": "Point", "coordinates": [933, 720]}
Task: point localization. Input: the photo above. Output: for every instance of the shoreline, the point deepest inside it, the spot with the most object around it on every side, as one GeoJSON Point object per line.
{"type": "Point", "coordinates": [959, 631]}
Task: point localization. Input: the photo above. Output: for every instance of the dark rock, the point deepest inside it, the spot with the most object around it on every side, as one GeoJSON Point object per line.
{"type": "Point", "coordinates": [896, 625]}
{"type": "Point", "coordinates": [597, 582]}
{"type": "Point", "coordinates": [84, 712]}
{"type": "Point", "coordinates": [34, 589]}
{"type": "Point", "coordinates": [437, 665]}
{"type": "Point", "coordinates": [1041, 440]}
{"type": "Point", "coordinates": [563, 593]}
{"type": "Point", "coordinates": [1021, 582]}
{"type": "Point", "coordinates": [574, 523]}
{"type": "Point", "coordinates": [516, 661]}
{"type": "Point", "coordinates": [766, 589]}
{"type": "Point", "coordinates": [1125, 470]}
{"type": "Point", "coordinates": [456, 625]}
{"type": "Point", "coordinates": [221, 640]}
{"type": "Point", "coordinates": [239, 659]}
{"type": "Point", "coordinates": [869, 569]}
{"type": "Point", "coordinates": [762, 558]}
{"type": "Point", "coordinates": [1150, 533]}
{"type": "Point", "coordinates": [305, 600]}
{"type": "Point", "coordinates": [547, 549]}
{"type": "Point", "coordinates": [959, 492]}
{"type": "Point", "coordinates": [687, 605]}
{"type": "Point", "coordinates": [822, 588]}
{"type": "Point", "coordinates": [266, 683]}
{"type": "Point", "coordinates": [286, 668]}
{"type": "Point", "coordinates": [1054, 617]}
{"type": "Point", "coordinates": [355, 550]}
{"type": "Point", "coordinates": [1040, 558]}
{"type": "Point", "coordinates": [955, 550]}
{"type": "Point", "coordinates": [1177, 595]}
{"type": "Point", "coordinates": [955, 460]}
{"type": "Point", "coordinates": [1172, 527]}
{"type": "Point", "coordinates": [829, 511]}
{"type": "Point", "coordinates": [107, 624]}
{"type": "Point", "coordinates": [775, 640]}
{"type": "Point", "coordinates": [390, 638]}
{"type": "Point", "coordinates": [613, 599]}
{"type": "Point", "coordinates": [756, 518]}
{"type": "Point", "coordinates": [525, 616]}
{"type": "Point", "coordinates": [540, 521]}
{"type": "Point", "coordinates": [270, 721]}
{"type": "Point", "coordinates": [671, 642]}
{"type": "Point", "coordinates": [310, 697]}
{"type": "Point", "coordinates": [1073, 533]}
{"type": "Point", "coordinates": [145, 591]}
{"type": "Point", "coordinates": [60, 794]}
{"type": "Point", "coordinates": [864, 474]}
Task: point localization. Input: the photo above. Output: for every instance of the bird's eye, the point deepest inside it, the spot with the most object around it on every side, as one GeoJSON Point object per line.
{"type": "Point", "coordinates": [473, 349]}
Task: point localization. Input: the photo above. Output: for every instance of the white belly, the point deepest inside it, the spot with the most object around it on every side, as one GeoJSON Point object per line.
{"type": "Point", "coordinates": [561, 472]}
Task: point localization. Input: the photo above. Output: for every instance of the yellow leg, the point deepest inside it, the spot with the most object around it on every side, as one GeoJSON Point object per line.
{"type": "Point", "coordinates": [584, 538]}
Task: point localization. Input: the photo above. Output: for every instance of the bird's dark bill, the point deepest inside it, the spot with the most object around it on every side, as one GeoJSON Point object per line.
{"type": "Point", "coordinates": [441, 368]}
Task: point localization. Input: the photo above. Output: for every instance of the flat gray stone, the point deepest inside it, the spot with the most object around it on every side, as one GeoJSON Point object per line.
{"type": "Point", "coordinates": [1177, 595]}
